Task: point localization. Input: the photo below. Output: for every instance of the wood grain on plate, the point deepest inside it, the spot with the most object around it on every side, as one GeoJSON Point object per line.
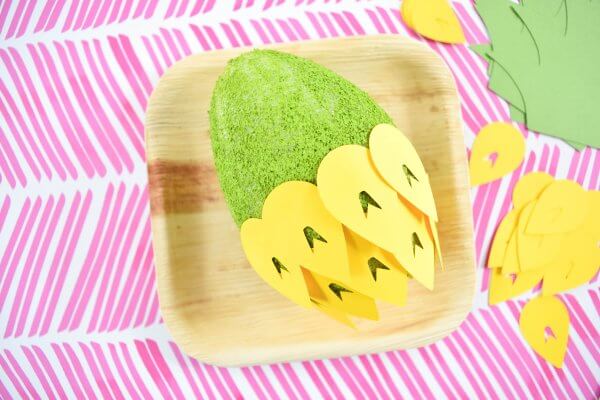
{"type": "Point", "coordinates": [217, 309]}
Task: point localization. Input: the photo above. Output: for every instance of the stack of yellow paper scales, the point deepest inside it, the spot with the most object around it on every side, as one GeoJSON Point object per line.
{"type": "Point", "coordinates": [552, 236]}
{"type": "Point", "coordinates": [358, 235]}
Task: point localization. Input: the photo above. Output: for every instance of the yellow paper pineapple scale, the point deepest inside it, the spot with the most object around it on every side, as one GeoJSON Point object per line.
{"type": "Point", "coordinates": [358, 235]}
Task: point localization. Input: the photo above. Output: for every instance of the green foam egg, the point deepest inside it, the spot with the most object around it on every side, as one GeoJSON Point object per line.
{"type": "Point", "coordinates": [273, 117]}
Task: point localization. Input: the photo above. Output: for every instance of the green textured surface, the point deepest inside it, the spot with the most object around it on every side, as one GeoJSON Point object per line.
{"type": "Point", "coordinates": [273, 117]}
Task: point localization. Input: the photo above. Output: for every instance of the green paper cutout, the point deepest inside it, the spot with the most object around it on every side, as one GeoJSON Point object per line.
{"type": "Point", "coordinates": [506, 31]}
{"type": "Point", "coordinates": [482, 50]}
{"type": "Point", "coordinates": [544, 60]}
{"type": "Point", "coordinates": [516, 114]}
{"type": "Point", "coordinates": [563, 93]}
{"type": "Point", "coordinates": [577, 146]}
{"type": "Point", "coordinates": [501, 83]}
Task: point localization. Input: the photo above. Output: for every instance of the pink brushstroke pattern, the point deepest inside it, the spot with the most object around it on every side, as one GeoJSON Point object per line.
{"type": "Point", "coordinates": [76, 260]}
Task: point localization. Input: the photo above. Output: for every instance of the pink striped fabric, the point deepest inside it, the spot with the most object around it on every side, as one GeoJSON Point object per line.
{"type": "Point", "coordinates": [79, 314]}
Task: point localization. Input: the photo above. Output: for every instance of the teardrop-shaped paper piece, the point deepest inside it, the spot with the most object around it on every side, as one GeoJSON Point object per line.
{"type": "Point", "coordinates": [544, 323]}
{"type": "Point", "coordinates": [560, 208]}
{"type": "Point", "coordinates": [277, 245]}
{"type": "Point", "coordinates": [503, 234]}
{"type": "Point", "coordinates": [506, 286]}
{"type": "Point", "coordinates": [399, 164]}
{"type": "Point", "coordinates": [434, 19]}
{"type": "Point", "coordinates": [577, 267]}
{"type": "Point", "coordinates": [375, 272]}
{"type": "Point", "coordinates": [344, 298]}
{"type": "Point", "coordinates": [529, 187]}
{"type": "Point", "coordinates": [535, 250]}
{"type": "Point", "coordinates": [498, 149]}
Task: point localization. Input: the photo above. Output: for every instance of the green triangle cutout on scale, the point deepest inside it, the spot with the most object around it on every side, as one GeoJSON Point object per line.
{"type": "Point", "coordinates": [409, 174]}
{"type": "Point", "coordinates": [366, 200]}
{"type": "Point", "coordinates": [374, 265]}
{"type": "Point", "coordinates": [279, 266]}
{"type": "Point", "coordinates": [311, 235]}
{"type": "Point", "coordinates": [338, 289]}
{"type": "Point", "coordinates": [416, 242]}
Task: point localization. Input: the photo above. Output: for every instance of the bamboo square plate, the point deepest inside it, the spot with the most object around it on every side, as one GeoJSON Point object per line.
{"type": "Point", "coordinates": [213, 303]}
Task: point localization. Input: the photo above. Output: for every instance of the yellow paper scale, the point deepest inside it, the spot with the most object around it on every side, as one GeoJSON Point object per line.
{"type": "Point", "coordinates": [544, 323]}
{"type": "Point", "coordinates": [358, 235]}
{"type": "Point", "coordinates": [498, 139]}
{"type": "Point", "coordinates": [433, 19]}
{"type": "Point", "coordinates": [552, 236]}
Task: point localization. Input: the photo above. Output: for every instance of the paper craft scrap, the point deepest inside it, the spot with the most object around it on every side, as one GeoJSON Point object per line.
{"type": "Point", "coordinates": [535, 250]}
{"type": "Point", "coordinates": [544, 324]}
{"type": "Point", "coordinates": [530, 64]}
{"type": "Point", "coordinates": [301, 230]}
{"type": "Point", "coordinates": [333, 312]}
{"type": "Point", "coordinates": [434, 235]}
{"type": "Point", "coordinates": [502, 238]}
{"type": "Point", "coordinates": [593, 220]}
{"type": "Point", "coordinates": [529, 187]}
{"type": "Point", "coordinates": [286, 278]}
{"type": "Point", "coordinates": [341, 296]}
{"type": "Point", "coordinates": [287, 255]}
{"type": "Point", "coordinates": [279, 244]}
{"type": "Point", "coordinates": [511, 258]}
{"type": "Point", "coordinates": [498, 149]}
{"type": "Point", "coordinates": [562, 252]}
{"type": "Point", "coordinates": [355, 237]}
{"type": "Point", "coordinates": [433, 19]}
{"type": "Point", "coordinates": [319, 301]}
{"type": "Point", "coordinates": [565, 251]}
{"type": "Point", "coordinates": [345, 176]}
{"type": "Point", "coordinates": [504, 286]}
{"type": "Point", "coordinates": [561, 208]}
{"type": "Point", "coordinates": [578, 267]}
{"type": "Point", "coordinates": [389, 149]}
{"type": "Point", "coordinates": [375, 272]}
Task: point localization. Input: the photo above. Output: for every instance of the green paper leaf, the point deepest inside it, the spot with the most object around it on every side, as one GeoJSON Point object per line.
{"type": "Point", "coordinates": [544, 60]}
{"type": "Point", "coordinates": [482, 50]}
{"type": "Point", "coordinates": [516, 114]}
{"type": "Point", "coordinates": [505, 86]}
